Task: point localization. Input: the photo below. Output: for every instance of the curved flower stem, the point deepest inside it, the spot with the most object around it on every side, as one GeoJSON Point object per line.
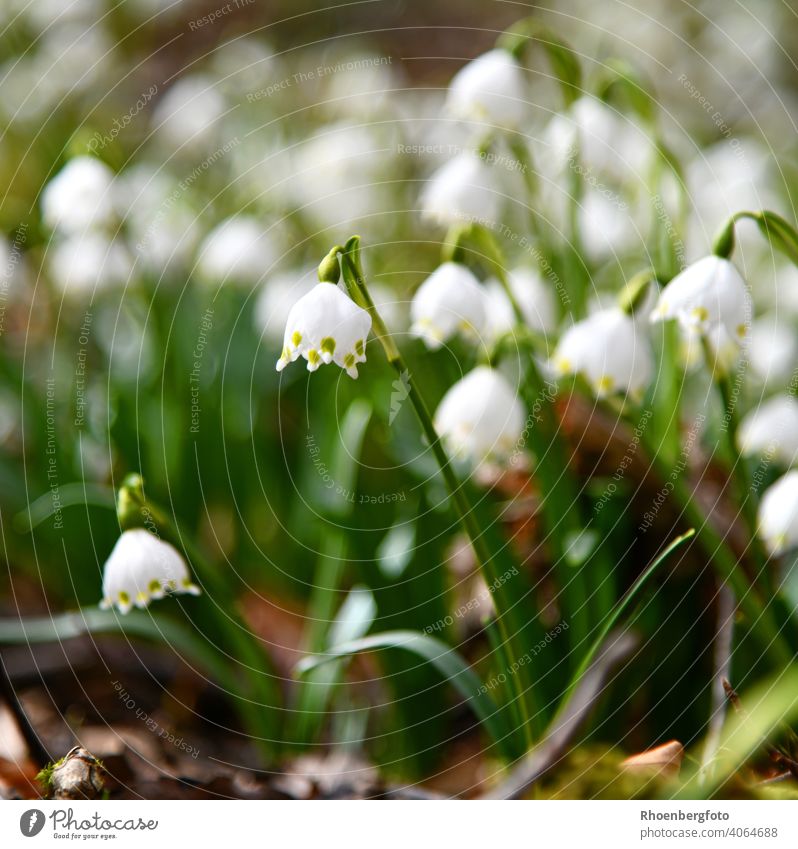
{"type": "Point", "coordinates": [509, 617]}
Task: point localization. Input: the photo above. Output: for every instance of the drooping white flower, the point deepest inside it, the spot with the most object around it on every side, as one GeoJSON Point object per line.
{"type": "Point", "coordinates": [534, 299]}
{"type": "Point", "coordinates": [141, 568]}
{"type": "Point", "coordinates": [237, 250]}
{"type": "Point", "coordinates": [772, 349]}
{"type": "Point", "coordinates": [277, 296]}
{"type": "Point", "coordinates": [82, 263]}
{"type": "Point", "coordinates": [448, 302]}
{"type": "Point", "coordinates": [772, 429]}
{"type": "Point", "coordinates": [609, 351]}
{"type": "Point", "coordinates": [326, 326]}
{"type": "Point", "coordinates": [778, 514]}
{"type": "Point", "coordinates": [489, 89]}
{"type": "Point", "coordinates": [480, 418]}
{"type": "Point", "coordinates": [706, 294]}
{"type": "Point", "coordinates": [79, 196]}
{"type": "Point", "coordinates": [463, 190]}
{"type": "Point", "coordinates": [188, 113]}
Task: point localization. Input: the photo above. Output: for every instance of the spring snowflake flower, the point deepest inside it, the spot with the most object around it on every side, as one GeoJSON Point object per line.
{"type": "Point", "coordinates": [534, 298]}
{"type": "Point", "coordinates": [463, 190]}
{"type": "Point", "coordinates": [772, 430]}
{"type": "Point", "coordinates": [326, 326]}
{"type": "Point", "coordinates": [480, 419]}
{"type": "Point", "coordinates": [87, 262]}
{"type": "Point", "coordinates": [609, 351]}
{"type": "Point", "coordinates": [708, 294]}
{"type": "Point", "coordinates": [778, 514]}
{"type": "Point", "coordinates": [142, 568]}
{"type": "Point", "coordinates": [449, 301]}
{"type": "Point", "coordinates": [79, 196]}
{"type": "Point", "coordinates": [490, 89]}
{"type": "Point", "coordinates": [238, 250]}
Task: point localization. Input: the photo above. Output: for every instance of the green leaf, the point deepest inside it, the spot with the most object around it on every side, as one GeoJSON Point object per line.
{"type": "Point", "coordinates": [451, 666]}
{"type": "Point", "coordinates": [91, 620]}
{"type": "Point", "coordinates": [619, 608]}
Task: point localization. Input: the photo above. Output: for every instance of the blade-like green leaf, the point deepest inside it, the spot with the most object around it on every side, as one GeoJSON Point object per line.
{"type": "Point", "coordinates": [66, 626]}
{"type": "Point", "coordinates": [451, 666]}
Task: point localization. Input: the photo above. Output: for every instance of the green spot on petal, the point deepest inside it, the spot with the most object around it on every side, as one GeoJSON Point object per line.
{"type": "Point", "coordinates": [124, 598]}
{"type": "Point", "coordinates": [349, 360]}
{"type": "Point", "coordinates": [313, 356]}
{"type": "Point", "coordinates": [296, 338]}
{"type": "Point", "coordinates": [360, 347]}
{"type": "Point", "coordinates": [328, 345]}
{"type": "Point", "coordinates": [155, 586]}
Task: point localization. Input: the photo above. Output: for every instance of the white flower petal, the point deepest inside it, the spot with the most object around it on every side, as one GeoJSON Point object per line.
{"type": "Point", "coordinates": [778, 514]}
{"type": "Point", "coordinates": [448, 302]}
{"type": "Point", "coordinates": [772, 430]}
{"type": "Point", "coordinates": [609, 351]}
{"type": "Point", "coordinates": [141, 568]}
{"type": "Point", "coordinates": [480, 419]}
{"type": "Point", "coordinates": [489, 89]}
{"type": "Point", "coordinates": [324, 326]}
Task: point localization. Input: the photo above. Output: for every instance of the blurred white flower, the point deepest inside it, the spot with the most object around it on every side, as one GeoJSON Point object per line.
{"type": "Point", "coordinates": [163, 229]}
{"type": "Point", "coordinates": [608, 226]}
{"type": "Point", "coordinates": [605, 142]}
{"type": "Point", "coordinates": [449, 301]}
{"type": "Point", "coordinates": [772, 429]}
{"type": "Point", "coordinates": [82, 264]}
{"type": "Point", "coordinates": [707, 295]}
{"type": "Point", "coordinates": [772, 349]}
{"type": "Point", "coordinates": [480, 419]}
{"type": "Point", "coordinates": [79, 196]}
{"type": "Point", "coordinates": [338, 175]}
{"type": "Point", "coordinates": [489, 89]}
{"type": "Point", "coordinates": [187, 114]}
{"type": "Point", "coordinates": [463, 190]}
{"type": "Point", "coordinates": [778, 514]}
{"type": "Point", "coordinates": [236, 251]}
{"type": "Point", "coordinates": [326, 326]}
{"type": "Point", "coordinates": [141, 568]}
{"type": "Point", "coordinates": [609, 351]}
{"type": "Point", "coordinates": [277, 296]}
{"type": "Point", "coordinates": [534, 299]}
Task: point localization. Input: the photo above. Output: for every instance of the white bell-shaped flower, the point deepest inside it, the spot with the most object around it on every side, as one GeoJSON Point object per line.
{"type": "Point", "coordinates": [79, 196]}
{"type": "Point", "coordinates": [778, 514]}
{"type": "Point", "coordinates": [141, 568]}
{"type": "Point", "coordinates": [489, 89]}
{"type": "Point", "coordinates": [707, 294]}
{"type": "Point", "coordinates": [448, 302]}
{"type": "Point", "coordinates": [534, 298]}
{"type": "Point", "coordinates": [237, 250]}
{"type": "Point", "coordinates": [609, 351]}
{"type": "Point", "coordinates": [326, 326]}
{"type": "Point", "coordinates": [772, 349]}
{"type": "Point", "coordinates": [90, 261]}
{"type": "Point", "coordinates": [463, 190]}
{"type": "Point", "coordinates": [480, 418]}
{"type": "Point", "coordinates": [772, 430]}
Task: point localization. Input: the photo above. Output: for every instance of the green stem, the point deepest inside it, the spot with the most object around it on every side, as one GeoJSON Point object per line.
{"type": "Point", "coordinates": [508, 616]}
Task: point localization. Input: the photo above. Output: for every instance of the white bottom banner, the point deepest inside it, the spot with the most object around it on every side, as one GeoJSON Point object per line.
{"type": "Point", "coordinates": [390, 824]}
